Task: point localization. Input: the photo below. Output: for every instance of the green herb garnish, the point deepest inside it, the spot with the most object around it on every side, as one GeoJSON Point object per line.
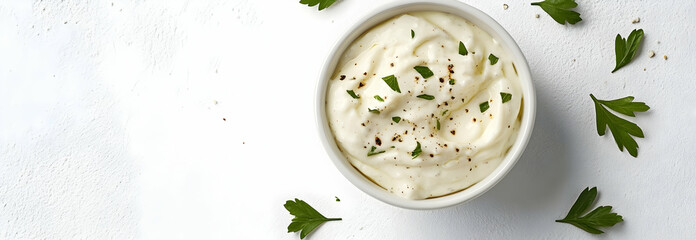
{"type": "Point", "coordinates": [426, 96]}
{"type": "Point", "coordinates": [505, 96]}
{"type": "Point", "coordinates": [560, 11]}
{"type": "Point", "coordinates": [306, 218]}
{"type": "Point", "coordinates": [493, 59]}
{"type": "Point", "coordinates": [451, 81]}
{"type": "Point", "coordinates": [352, 94]}
{"type": "Point", "coordinates": [484, 106]}
{"type": "Point", "coordinates": [396, 119]}
{"type": "Point", "coordinates": [438, 124]}
{"type": "Point", "coordinates": [599, 217]}
{"type": "Point", "coordinates": [626, 49]}
{"type": "Point", "coordinates": [337, 199]}
{"type": "Point", "coordinates": [372, 151]}
{"type": "Point", "coordinates": [413, 34]}
{"type": "Point", "coordinates": [621, 129]}
{"type": "Point", "coordinates": [424, 71]}
{"type": "Point", "coordinates": [373, 110]}
{"type": "Point", "coordinates": [462, 49]}
{"type": "Point", "coordinates": [322, 3]}
{"type": "Point", "coordinates": [379, 98]}
{"type": "Point", "coordinates": [416, 151]}
{"type": "Point", "coordinates": [392, 82]}
{"type": "Point", "coordinates": [444, 112]}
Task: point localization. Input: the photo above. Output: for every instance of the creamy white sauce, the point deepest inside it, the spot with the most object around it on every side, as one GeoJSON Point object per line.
{"type": "Point", "coordinates": [469, 144]}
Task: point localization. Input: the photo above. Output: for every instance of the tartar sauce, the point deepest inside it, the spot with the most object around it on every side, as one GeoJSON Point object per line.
{"type": "Point", "coordinates": [437, 134]}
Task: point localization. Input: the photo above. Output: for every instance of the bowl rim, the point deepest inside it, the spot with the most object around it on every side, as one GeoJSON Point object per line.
{"type": "Point", "coordinates": [381, 14]}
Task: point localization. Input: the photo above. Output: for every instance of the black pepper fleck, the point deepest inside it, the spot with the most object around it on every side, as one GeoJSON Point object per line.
{"type": "Point", "coordinates": [342, 77]}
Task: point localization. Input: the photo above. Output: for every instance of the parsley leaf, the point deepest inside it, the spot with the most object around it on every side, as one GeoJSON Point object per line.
{"type": "Point", "coordinates": [416, 151]}
{"type": "Point", "coordinates": [599, 217]}
{"type": "Point", "coordinates": [438, 124]}
{"type": "Point", "coordinates": [426, 96]}
{"type": "Point", "coordinates": [352, 94]}
{"type": "Point", "coordinates": [372, 151]}
{"type": "Point", "coordinates": [493, 59]}
{"type": "Point", "coordinates": [424, 71]}
{"type": "Point", "coordinates": [392, 82]}
{"type": "Point", "coordinates": [379, 98]}
{"type": "Point", "coordinates": [322, 3]}
{"type": "Point", "coordinates": [306, 218]}
{"type": "Point", "coordinates": [337, 199]}
{"type": "Point", "coordinates": [560, 11]}
{"type": "Point", "coordinates": [413, 34]}
{"type": "Point", "coordinates": [444, 112]}
{"type": "Point", "coordinates": [484, 106]}
{"type": "Point", "coordinates": [505, 96]}
{"type": "Point", "coordinates": [373, 110]}
{"type": "Point", "coordinates": [626, 49]}
{"type": "Point", "coordinates": [462, 49]}
{"type": "Point", "coordinates": [621, 129]}
{"type": "Point", "coordinates": [396, 119]}
{"type": "Point", "coordinates": [451, 81]}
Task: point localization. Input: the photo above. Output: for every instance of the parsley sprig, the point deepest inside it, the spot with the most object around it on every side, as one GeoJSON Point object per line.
{"type": "Point", "coordinates": [484, 106]}
{"type": "Point", "coordinates": [372, 151]}
{"type": "Point", "coordinates": [506, 97]}
{"type": "Point", "coordinates": [424, 71]}
{"type": "Point", "coordinates": [352, 94]}
{"type": "Point", "coordinates": [462, 49]}
{"type": "Point", "coordinates": [306, 218]}
{"type": "Point", "coordinates": [417, 151]}
{"type": "Point", "coordinates": [599, 217]}
{"type": "Point", "coordinates": [560, 11]}
{"type": "Point", "coordinates": [621, 129]}
{"type": "Point", "coordinates": [493, 59]}
{"type": "Point", "coordinates": [322, 3]}
{"type": "Point", "coordinates": [392, 83]}
{"type": "Point", "coordinates": [626, 49]}
{"type": "Point", "coordinates": [426, 96]}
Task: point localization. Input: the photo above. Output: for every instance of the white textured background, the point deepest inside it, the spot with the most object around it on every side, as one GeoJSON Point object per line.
{"type": "Point", "coordinates": [109, 127]}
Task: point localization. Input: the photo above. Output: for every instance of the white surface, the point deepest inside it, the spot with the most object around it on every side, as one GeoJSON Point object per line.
{"type": "Point", "coordinates": [108, 126]}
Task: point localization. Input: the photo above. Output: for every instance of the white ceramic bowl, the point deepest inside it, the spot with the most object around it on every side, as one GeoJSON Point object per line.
{"type": "Point", "coordinates": [481, 20]}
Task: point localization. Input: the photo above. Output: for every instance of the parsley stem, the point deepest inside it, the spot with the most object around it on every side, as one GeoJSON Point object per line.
{"type": "Point", "coordinates": [334, 219]}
